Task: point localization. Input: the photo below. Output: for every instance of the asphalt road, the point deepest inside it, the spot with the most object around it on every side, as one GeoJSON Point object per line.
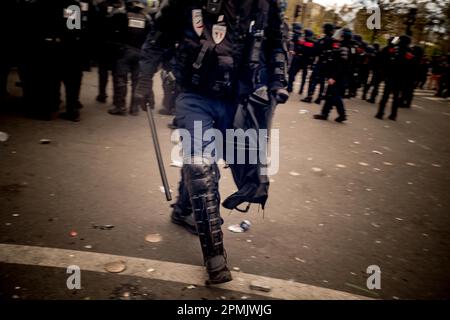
{"type": "Point", "coordinates": [347, 196]}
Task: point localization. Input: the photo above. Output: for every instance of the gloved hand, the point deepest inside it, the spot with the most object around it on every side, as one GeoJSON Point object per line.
{"type": "Point", "coordinates": [144, 100]}
{"type": "Point", "coordinates": [281, 95]}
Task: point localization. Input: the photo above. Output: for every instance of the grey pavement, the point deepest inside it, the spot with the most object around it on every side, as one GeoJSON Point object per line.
{"type": "Point", "coordinates": [347, 196]}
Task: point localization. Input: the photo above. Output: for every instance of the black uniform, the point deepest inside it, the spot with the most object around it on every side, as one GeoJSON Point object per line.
{"type": "Point", "coordinates": [132, 28]}
{"type": "Point", "coordinates": [336, 55]}
{"type": "Point", "coordinates": [168, 83]}
{"type": "Point", "coordinates": [304, 49]}
{"type": "Point", "coordinates": [106, 49]}
{"type": "Point", "coordinates": [226, 51]}
{"type": "Point", "coordinates": [319, 69]}
{"type": "Point", "coordinates": [58, 55]}
{"type": "Point", "coordinates": [398, 63]}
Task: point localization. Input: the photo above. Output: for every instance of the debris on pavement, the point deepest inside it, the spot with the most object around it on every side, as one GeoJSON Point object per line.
{"type": "Point", "coordinates": [45, 141]}
{"type": "Point", "coordinates": [236, 269]}
{"type": "Point", "coordinates": [236, 228]}
{"type": "Point", "coordinates": [154, 237]}
{"type": "Point", "coordinates": [259, 286]}
{"type": "Point", "coordinates": [177, 164]}
{"type": "Point", "coordinates": [103, 226]}
{"type": "Point", "coordinates": [3, 136]}
{"type": "Point", "coordinates": [245, 225]}
{"type": "Point", "coordinates": [315, 169]}
{"type": "Point", "coordinates": [241, 227]}
{"type": "Point", "coordinates": [377, 152]}
{"type": "Point", "coordinates": [73, 233]}
{"type": "Point", "coordinates": [341, 165]}
{"type": "Point", "coordinates": [364, 164]}
{"type": "Point", "coordinates": [190, 287]}
{"type": "Point", "coordinates": [115, 267]}
{"type": "Point", "coordinates": [88, 246]}
{"type": "Point", "coordinates": [293, 173]}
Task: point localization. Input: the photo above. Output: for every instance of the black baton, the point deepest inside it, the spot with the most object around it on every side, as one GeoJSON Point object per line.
{"type": "Point", "coordinates": [162, 171]}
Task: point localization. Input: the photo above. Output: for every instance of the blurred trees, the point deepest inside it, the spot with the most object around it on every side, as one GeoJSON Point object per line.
{"type": "Point", "coordinates": [430, 27]}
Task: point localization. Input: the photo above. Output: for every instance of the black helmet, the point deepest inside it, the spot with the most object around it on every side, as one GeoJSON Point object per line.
{"type": "Point", "coordinates": [308, 33]}
{"type": "Point", "coordinates": [346, 34]}
{"type": "Point", "coordinates": [328, 28]}
{"type": "Point", "coordinates": [357, 38]}
{"type": "Point", "coordinates": [297, 27]}
{"type": "Point", "coordinates": [404, 41]}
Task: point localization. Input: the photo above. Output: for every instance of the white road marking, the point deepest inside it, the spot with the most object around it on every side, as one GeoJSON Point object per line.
{"type": "Point", "coordinates": [166, 271]}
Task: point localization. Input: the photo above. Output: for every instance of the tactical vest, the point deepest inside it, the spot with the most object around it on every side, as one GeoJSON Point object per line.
{"type": "Point", "coordinates": [222, 43]}
{"type": "Point", "coordinates": [138, 25]}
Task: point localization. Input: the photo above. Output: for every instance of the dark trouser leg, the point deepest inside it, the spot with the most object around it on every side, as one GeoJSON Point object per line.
{"type": "Point", "coordinates": [395, 102]}
{"type": "Point", "coordinates": [386, 93]}
{"type": "Point", "coordinates": [304, 75]}
{"type": "Point", "coordinates": [134, 69]}
{"type": "Point", "coordinates": [102, 78]}
{"type": "Point", "coordinates": [201, 177]}
{"type": "Point", "coordinates": [333, 98]}
{"type": "Point", "coordinates": [322, 85]}
{"type": "Point", "coordinates": [293, 70]}
{"type": "Point", "coordinates": [120, 83]}
{"type": "Point", "coordinates": [72, 83]}
{"type": "Point", "coordinates": [366, 84]}
{"type": "Point", "coordinates": [313, 80]}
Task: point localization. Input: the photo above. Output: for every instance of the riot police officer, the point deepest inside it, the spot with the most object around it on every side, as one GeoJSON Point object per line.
{"type": "Point", "coordinates": [106, 49]}
{"type": "Point", "coordinates": [75, 56]}
{"type": "Point", "coordinates": [398, 61]}
{"type": "Point", "coordinates": [132, 29]}
{"type": "Point", "coordinates": [337, 56]}
{"type": "Point", "coordinates": [294, 65]}
{"type": "Point", "coordinates": [221, 61]}
{"type": "Point", "coordinates": [319, 69]}
{"type": "Point", "coordinates": [304, 53]}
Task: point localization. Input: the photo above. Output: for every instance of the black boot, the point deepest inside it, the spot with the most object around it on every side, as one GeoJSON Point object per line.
{"type": "Point", "coordinates": [201, 180]}
{"type": "Point", "coordinates": [308, 99]}
{"type": "Point", "coordinates": [117, 111]}
{"type": "Point", "coordinates": [101, 98]}
{"type": "Point", "coordinates": [340, 119]}
{"type": "Point", "coordinates": [71, 115]}
{"type": "Point", "coordinates": [320, 117]}
{"type": "Point", "coordinates": [184, 217]}
{"type": "Point", "coordinates": [318, 100]}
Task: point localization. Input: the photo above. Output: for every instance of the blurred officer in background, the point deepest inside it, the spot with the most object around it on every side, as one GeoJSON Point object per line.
{"type": "Point", "coordinates": [318, 72]}
{"type": "Point", "coordinates": [107, 50]}
{"type": "Point", "coordinates": [304, 53]}
{"type": "Point", "coordinates": [131, 29]}
{"type": "Point", "coordinates": [397, 62]}
{"type": "Point", "coordinates": [337, 56]}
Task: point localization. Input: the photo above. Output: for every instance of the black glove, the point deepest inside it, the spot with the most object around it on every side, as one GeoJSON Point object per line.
{"type": "Point", "coordinates": [281, 95]}
{"type": "Point", "coordinates": [144, 101]}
